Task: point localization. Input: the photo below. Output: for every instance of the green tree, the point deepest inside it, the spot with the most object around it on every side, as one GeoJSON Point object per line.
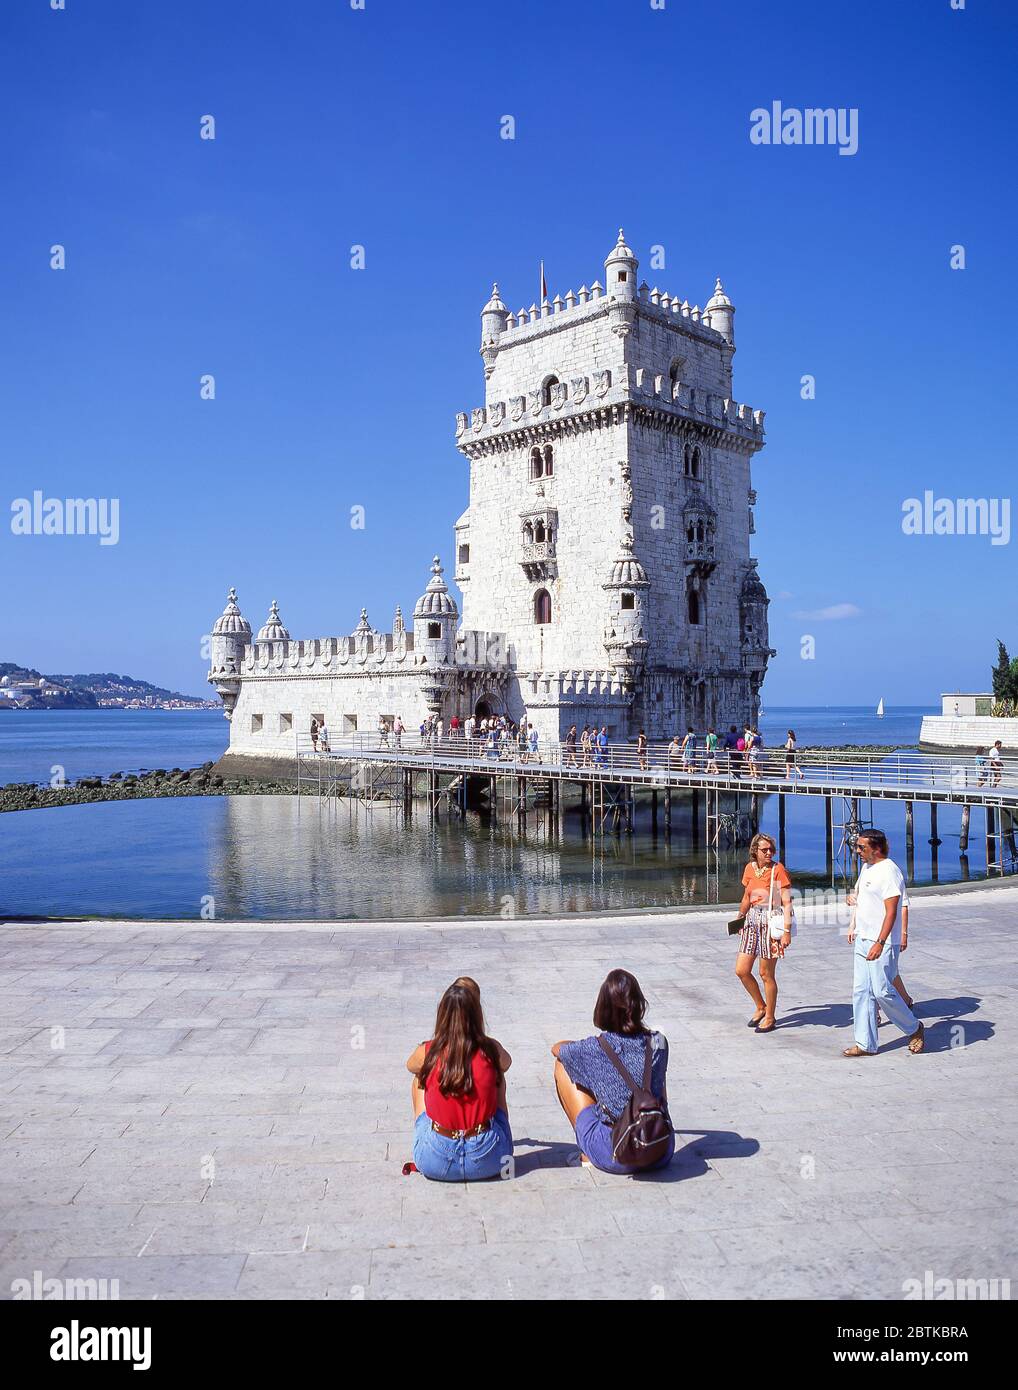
{"type": "Point", "coordinates": [1003, 674]}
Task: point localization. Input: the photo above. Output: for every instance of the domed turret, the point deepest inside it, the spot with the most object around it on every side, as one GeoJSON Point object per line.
{"type": "Point", "coordinates": [435, 619]}
{"type": "Point", "coordinates": [620, 271]}
{"type": "Point", "coordinates": [273, 629]}
{"type": "Point", "coordinates": [231, 633]}
{"type": "Point", "coordinates": [722, 313]}
{"type": "Point", "coordinates": [625, 626]}
{"type": "Point", "coordinates": [753, 632]}
{"type": "Point", "coordinates": [493, 317]}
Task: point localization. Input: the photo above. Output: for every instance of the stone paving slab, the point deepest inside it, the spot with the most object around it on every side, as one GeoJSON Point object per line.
{"type": "Point", "coordinates": [222, 1111]}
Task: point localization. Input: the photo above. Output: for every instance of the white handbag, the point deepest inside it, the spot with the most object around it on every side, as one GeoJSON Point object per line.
{"type": "Point", "coordinates": [776, 917]}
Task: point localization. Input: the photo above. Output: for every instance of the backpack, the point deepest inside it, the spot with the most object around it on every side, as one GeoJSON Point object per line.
{"type": "Point", "coordinates": [641, 1134]}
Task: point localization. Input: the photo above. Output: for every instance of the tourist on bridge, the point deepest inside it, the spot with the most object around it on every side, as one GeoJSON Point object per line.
{"type": "Point", "coordinates": [732, 750]}
{"type": "Point", "coordinates": [752, 747]}
{"type": "Point", "coordinates": [570, 747]}
{"type": "Point", "coordinates": [585, 744]}
{"type": "Point", "coordinates": [314, 733]}
{"type": "Point", "coordinates": [468, 728]}
{"type": "Point", "coordinates": [876, 934]}
{"type": "Point", "coordinates": [712, 753]}
{"type": "Point", "coordinates": [688, 750]}
{"type": "Point", "coordinates": [767, 933]}
{"type": "Point", "coordinates": [996, 763]}
{"type": "Point", "coordinates": [383, 732]}
{"type": "Point", "coordinates": [674, 753]}
{"type": "Point", "coordinates": [398, 730]}
{"type": "Point", "coordinates": [600, 744]}
{"type": "Point", "coordinates": [613, 1086]}
{"type": "Point", "coordinates": [454, 726]}
{"type": "Point", "coordinates": [533, 740]}
{"type": "Point", "coordinates": [461, 1119]}
{"type": "Point", "coordinates": [791, 767]}
{"type": "Point", "coordinates": [641, 750]}
{"type": "Point", "coordinates": [323, 737]}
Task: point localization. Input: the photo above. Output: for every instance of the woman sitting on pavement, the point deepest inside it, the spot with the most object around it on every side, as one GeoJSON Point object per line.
{"type": "Point", "coordinates": [461, 1121]}
{"type": "Point", "coordinates": [590, 1088]}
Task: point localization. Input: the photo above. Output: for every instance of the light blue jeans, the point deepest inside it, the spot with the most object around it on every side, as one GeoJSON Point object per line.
{"type": "Point", "coordinates": [874, 984]}
{"type": "Point", "coordinates": [462, 1160]}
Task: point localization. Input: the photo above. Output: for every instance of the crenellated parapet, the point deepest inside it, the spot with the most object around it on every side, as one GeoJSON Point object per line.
{"type": "Point", "coordinates": [603, 394]}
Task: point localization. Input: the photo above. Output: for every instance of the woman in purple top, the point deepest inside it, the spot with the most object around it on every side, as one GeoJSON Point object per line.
{"type": "Point", "coordinates": [590, 1090]}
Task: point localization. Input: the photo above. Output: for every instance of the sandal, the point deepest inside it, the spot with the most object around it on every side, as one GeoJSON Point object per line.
{"type": "Point", "coordinates": [857, 1051]}
{"type": "Point", "coordinates": [757, 1018]}
{"type": "Point", "coordinates": [769, 1029]}
{"type": "Point", "coordinates": [917, 1041]}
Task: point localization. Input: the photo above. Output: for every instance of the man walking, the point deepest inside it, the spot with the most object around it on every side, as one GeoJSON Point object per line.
{"type": "Point", "coordinates": [875, 933]}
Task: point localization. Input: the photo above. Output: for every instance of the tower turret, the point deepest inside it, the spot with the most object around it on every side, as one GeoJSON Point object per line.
{"type": "Point", "coordinates": [273, 630]}
{"type": "Point", "coordinates": [620, 271]}
{"type": "Point", "coordinates": [722, 314]}
{"type": "Point", "coordinates": [435, 619]}
{"type": "Point", "coordinates": [625, 629]}
{"type": "Point", "coordinates": [493, 317]}
{"type": "Point", "coordinates": [231, 633]}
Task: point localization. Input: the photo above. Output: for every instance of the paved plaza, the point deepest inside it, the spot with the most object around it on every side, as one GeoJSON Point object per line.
{"type": "Point", "coordinates": [210, 1111]}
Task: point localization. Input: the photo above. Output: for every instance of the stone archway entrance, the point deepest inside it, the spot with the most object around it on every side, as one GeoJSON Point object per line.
{"type": "Point", "coordinates": [482, 710]}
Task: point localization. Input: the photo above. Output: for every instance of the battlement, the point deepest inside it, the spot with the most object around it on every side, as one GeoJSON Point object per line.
{"type": "Point", "coordinates": [362, 653]}
{"type": "Point", "coordinates": [549, 314]}
{"type": "Point", "coordinates": [624, 384]}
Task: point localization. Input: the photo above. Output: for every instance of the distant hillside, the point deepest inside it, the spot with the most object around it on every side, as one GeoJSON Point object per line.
{"type": "Point", "coordinates": [91, 690]}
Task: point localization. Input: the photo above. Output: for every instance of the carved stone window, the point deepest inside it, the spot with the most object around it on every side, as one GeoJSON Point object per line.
{"type": "Point", "coordinates": [256, 723]}
{"type": "Point", "coordinates": [627, 601]}
{"type": "Point", "coordinates": [542, 607]}
{"type": "Point", "coordinates": [546, 390]}
{"type": "Point", "coordinates": [434, 629]}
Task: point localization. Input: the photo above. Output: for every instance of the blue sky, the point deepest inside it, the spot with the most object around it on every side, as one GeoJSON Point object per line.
{"type": "Point", "coordinates": [337, 387]}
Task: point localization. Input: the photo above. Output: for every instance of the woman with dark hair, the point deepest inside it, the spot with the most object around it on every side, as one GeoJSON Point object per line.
{"type": "Point", "coordinates": [767, 933]}
{"type": "Point", "coordinates": [589, 1086]}
{"type": "Point", "coordinates": [461, 1123]}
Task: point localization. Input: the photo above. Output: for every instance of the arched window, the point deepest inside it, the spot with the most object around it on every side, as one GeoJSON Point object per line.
{"type": "Point", "coordinates": [628, 601]}
{"type": "Point", "coordinates": [528, 533]}
{"type": "Point", "coordinates": [549, 461]}
{"type": "Point", "coordinates": [536, 464]}
{"type": "Point", "coordinates": [693, 606]}
{"type": "Point", "coordinates": [690, 534]}
{"type": "Point", "coordinates": [542, 606]}
{"type": "Point", "coordinates": [687, 458]}
{"type": "Point", "coordinates": [699, 530]}
{"type": "Point", "coordinates": [539, 535]}
{"type": "Point", "coordinates": [675, 370]}
{"type": "Point", "coordinates": [546, 390]}
{"type": "Point", "coordinates": [696, 462]}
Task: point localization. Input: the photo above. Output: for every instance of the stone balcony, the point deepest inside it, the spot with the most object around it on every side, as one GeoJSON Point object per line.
{"type": "Point", "coordinates": [538, 559]}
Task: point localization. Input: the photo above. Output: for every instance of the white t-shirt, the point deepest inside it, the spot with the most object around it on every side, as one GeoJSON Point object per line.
{"type": "Point", "coordinates": [877, 883]}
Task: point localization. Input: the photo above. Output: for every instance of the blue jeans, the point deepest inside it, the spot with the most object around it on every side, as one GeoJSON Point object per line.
{"type": "Point", "coordinates": [874, 984]}
{"type": "Point", "coordinates": [462, 1160]}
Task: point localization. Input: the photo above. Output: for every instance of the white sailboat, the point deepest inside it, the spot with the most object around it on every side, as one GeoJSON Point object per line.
{"type": "Point", "coordinates": [880, 708]}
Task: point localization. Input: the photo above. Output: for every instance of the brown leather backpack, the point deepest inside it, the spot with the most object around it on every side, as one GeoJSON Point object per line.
{"type": "Point", "coordinates": [641, 1134]}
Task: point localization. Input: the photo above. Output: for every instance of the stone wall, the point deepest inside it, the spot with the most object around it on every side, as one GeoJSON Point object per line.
{"type": "Point", "coordinates": [976, 731]}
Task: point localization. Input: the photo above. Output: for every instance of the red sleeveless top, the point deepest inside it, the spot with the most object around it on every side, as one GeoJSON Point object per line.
{"type": "Point", "coordinates": [463, 1112]}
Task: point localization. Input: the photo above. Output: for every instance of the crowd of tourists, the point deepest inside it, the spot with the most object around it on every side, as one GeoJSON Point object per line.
{"type": "Point", "coordinates": [612, 1085]}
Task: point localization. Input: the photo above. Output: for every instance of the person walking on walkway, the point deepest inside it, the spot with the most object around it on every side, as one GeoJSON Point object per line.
{"type": "Point", "coordinates": [641, 750]}
{"type": "Point", "coordinates": [585, 747]}
{"type": "Point", "coordinates": [791, 767]}
{"type": "Point", "coordinates": [314, 733]}
{"type": "Point", "coordinates": [383, 732]}
{"type": "Point", "coordinates": [767, 890]}
{"type": "Point", "coordinates": [688, 750]}
{"type": "Point", "coordinates": [570, 747]}
{"type": "Point", "coordinates": [712, 754]}
{"type": "Point", "coordinates": [875, 932]}
{"type": "Point", "coordinates": [996, 763]}
{"type": "Point", "coordinates": [461, 1119]}
{"type": "Point", "coordinates": [398, 730]}
{"type": "Point", "coordinates": [601, 745]}
{"type": "Point", "coordinates": [323, 737]}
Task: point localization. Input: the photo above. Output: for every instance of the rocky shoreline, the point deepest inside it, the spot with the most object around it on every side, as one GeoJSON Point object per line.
{"type": "Point", "coordinates": [130, 786]}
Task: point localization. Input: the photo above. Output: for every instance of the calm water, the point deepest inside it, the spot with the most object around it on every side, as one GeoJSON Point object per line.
{"type": "Point", "coordinates": [268, 857]}
{"type": "Point", "coordinates": [90, 742]}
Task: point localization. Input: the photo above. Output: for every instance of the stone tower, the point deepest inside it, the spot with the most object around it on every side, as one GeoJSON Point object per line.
{"type": "Point", "coordinates": [608, 530]}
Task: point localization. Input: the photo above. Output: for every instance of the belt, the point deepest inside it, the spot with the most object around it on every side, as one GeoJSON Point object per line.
{"type": "Point", "coordinates": [460, 1133]}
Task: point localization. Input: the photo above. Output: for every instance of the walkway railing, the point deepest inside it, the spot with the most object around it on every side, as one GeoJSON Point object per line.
{"type": "Point", "coordinates": [862, 772]}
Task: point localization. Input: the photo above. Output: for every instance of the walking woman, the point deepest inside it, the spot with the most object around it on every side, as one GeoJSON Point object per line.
{"type": "Point", "coordinates": [591, 1088]}
{"type": "Point", "coordinates": [791, 769]}
{"type": "Point", "coordinates": [461, 1121]}
{"type": "Point", "coordinates": [766, 888]}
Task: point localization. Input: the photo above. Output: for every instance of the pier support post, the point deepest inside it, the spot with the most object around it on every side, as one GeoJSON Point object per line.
{"type": "Point", "coordinates": [963, 839]}
{"type": "Point", "coordinates": [668, 813]}
{"type": "Point", "coordinates": [694, 815]}
{"type": "Point", "coordinates": [909, 828]}
{"type": "Point", "coordinates": [653, 810]}
{"type": "Point", "coordinates": [992, 860]}
{"type": "Point", "coordinates": [781, 827]}
{"type": "Point", "coordinates": [829, 834]}
{"type": "Point", "coordinates": [935, 839]}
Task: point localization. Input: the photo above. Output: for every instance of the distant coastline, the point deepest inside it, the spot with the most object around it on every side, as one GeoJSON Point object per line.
{"type": "Point", "coordinates": [24, 688]}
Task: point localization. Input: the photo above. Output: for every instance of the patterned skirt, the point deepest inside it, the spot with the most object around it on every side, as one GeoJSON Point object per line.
{"type": "Point", "coordinates": [755, 937]}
